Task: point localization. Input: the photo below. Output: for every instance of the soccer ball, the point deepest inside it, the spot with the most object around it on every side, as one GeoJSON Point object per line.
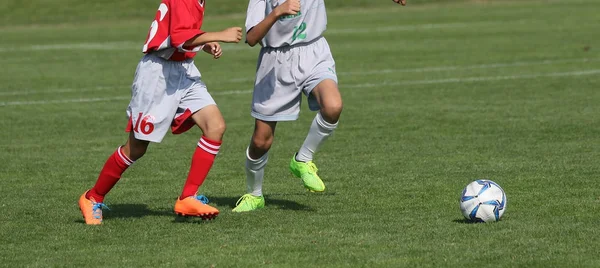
{"type": "Point", "coordinates": [483, 201]}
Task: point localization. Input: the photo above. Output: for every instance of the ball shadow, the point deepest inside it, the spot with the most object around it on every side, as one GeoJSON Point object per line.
{"type": "Point", "coordinates": [464, 221]}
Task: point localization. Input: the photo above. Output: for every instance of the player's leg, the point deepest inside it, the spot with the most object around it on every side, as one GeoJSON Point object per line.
{"type": "Point", "coordinates": [150, 111]}
{"type": "Point", "coordinates": [329, 99]}
{"type": "Point", "coordinates": [257, 156]}
{"type": "Point", "coordinates": [198, 108]}
{"type": "Point", "coordinates": [212, 124]}
{"type": "Point", "coordinates": [91, 202]}
{"type": "Point", "coordinates": [324, 96]}
{"type": "Point", "coordinates": [276, 97]}
{"type": "Point", "coordinates": [116, 165]}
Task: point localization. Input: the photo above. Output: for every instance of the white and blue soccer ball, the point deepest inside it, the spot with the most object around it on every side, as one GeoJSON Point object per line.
{"type": "Point", "coordinates": [483, 201]}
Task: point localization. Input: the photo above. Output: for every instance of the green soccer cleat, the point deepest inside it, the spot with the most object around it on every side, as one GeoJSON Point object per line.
{"type": "Point", "coordinates": [249, 202]}
{"type": "Point", "coordinates": [307, 171]}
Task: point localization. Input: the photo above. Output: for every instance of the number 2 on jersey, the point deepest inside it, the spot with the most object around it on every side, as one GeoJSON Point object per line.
{"type": "Point", "coordinates": [299, 32]}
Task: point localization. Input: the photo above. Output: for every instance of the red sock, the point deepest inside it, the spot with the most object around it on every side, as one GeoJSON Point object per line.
{"type": "Point", "coordinates": [202, 161]}
{"type": "Point", "coordinates": [114, 167]}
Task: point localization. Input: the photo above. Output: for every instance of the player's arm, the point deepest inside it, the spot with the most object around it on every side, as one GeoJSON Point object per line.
{"type": "Point", "coordinates": [258, 32]}
{"type": "Point", "coordinates": [402, 2]}
{"type": "Point", "coordinates": [229, 35]}
{"type": "Point", "coordinates": [186, 37]}
{"type": "Point", "coordinates": [214, 49]}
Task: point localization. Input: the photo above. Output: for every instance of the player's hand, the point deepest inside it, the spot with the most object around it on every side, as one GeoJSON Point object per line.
{"type": "Point", "coordinates": [289, 7]}
{"type": "Point", "coordinates": [213, 48]}
{"type": "Point", "coordinates": [231, 35]}
{"type": "Point", "coordinates": [402, 2]}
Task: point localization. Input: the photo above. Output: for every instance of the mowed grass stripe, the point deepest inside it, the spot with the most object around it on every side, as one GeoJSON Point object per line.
{"type": "Point", "coordinates": [130, 45]}
{"type": "Point", "coordinates": [364, 85]}
{"type": "Point", "coordinates": [351, 73]}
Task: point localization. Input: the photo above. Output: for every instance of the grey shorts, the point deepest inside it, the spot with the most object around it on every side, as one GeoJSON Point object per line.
{"type": "Point", "coordinates": [283, 74]}
{"type": "Point", "coordinates": [164, 95]}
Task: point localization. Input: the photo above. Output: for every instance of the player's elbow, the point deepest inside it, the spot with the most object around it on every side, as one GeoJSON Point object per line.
{"type": "Point", "coordinates": [191, 42]}
{"type": "Point", "coordinates": [252, 37]}
{"type": "Point", "coordinates": [251, 42]}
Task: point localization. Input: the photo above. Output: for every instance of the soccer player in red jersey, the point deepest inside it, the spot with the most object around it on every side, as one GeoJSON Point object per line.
{"type": "Point", "coordinates": [167, 93]}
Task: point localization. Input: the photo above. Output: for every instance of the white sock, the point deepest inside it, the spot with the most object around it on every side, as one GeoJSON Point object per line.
{"type": "Point", "coordinates": [318, 133]}
{"type": "Point", "coordinates": [255, 172]}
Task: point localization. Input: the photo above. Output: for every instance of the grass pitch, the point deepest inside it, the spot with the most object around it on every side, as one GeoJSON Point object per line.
{"type": "Point", "coordinates": [435, 97]}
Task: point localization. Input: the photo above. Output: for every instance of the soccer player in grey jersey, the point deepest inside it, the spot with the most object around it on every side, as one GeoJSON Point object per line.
{"type": "Point", "coordinates": [294, 59]}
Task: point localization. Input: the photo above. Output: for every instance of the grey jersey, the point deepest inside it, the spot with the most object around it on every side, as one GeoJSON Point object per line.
{"type": "Point", "coordinates": [308, 25]}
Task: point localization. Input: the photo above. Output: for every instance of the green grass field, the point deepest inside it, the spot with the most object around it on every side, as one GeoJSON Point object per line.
{"type": "Point", "coordinates": [436, 95]}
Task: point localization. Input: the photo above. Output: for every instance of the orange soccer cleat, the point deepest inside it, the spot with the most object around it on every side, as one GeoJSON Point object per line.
{"type": "Point", "coordinates": [91, 210]}
{"type": "Point", "coordinates": [195, 206]}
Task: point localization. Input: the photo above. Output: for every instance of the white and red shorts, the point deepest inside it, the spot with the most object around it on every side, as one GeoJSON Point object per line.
{"type": "Point", "coordinates": [164, 95]}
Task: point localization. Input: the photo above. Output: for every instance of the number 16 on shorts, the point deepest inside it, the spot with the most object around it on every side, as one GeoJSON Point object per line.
{"type": "Point", "coordinates": [143, 124]}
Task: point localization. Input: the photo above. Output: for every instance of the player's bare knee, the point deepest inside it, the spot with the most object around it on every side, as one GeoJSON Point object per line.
{"type": "Point", "coordinates": [262, 142]}
{"type": "Point", "coordinates": [255, 152]}
{"type": "Point", "coordinates": [332, 110]}
{"type": "Point", "coordinates": [215, 130]}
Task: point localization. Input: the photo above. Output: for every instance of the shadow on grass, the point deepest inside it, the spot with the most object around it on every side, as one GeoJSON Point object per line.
{"type": "Point", "coordinates": [464, 221]}
{"type": "Point", "coordinates": [303, 194]}
{"type": "Point", "coordinates": [123, 211]}
{"type": "Point", "coordinates": [134, 211]}
{"type": "Point", "coordinates": [269, 202]}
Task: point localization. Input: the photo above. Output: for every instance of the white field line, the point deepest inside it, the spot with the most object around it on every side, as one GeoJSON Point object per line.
{"type": "Point", "coordinates": [83, 100]}
{"type": "Point", "coordinates": [366, 85]}
{"type": "Point", "coordinates": [80, 100]}
{"type": "Point", "coordinates": [415, 27]}
{"type": "Point", "coordinates": [229, 17]}
{"type": "Point", "coordinates": [57, 90]}
{"type": "Point", "coordinates": [123, 45]}
{"type": "Point", "coordinates": [474, 79]}
{"type": "Point", "coordinates": [129, 45]}
{"type": "Point", "coordinates": [67, 90]}
{"type": "Point", "coordinates": [356, 73]}
{"type": "Point", "coordinates": [448, 68]}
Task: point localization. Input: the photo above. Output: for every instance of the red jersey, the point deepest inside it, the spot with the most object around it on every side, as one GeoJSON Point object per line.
{"type": "Point", "coordinates": [176, 22]}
